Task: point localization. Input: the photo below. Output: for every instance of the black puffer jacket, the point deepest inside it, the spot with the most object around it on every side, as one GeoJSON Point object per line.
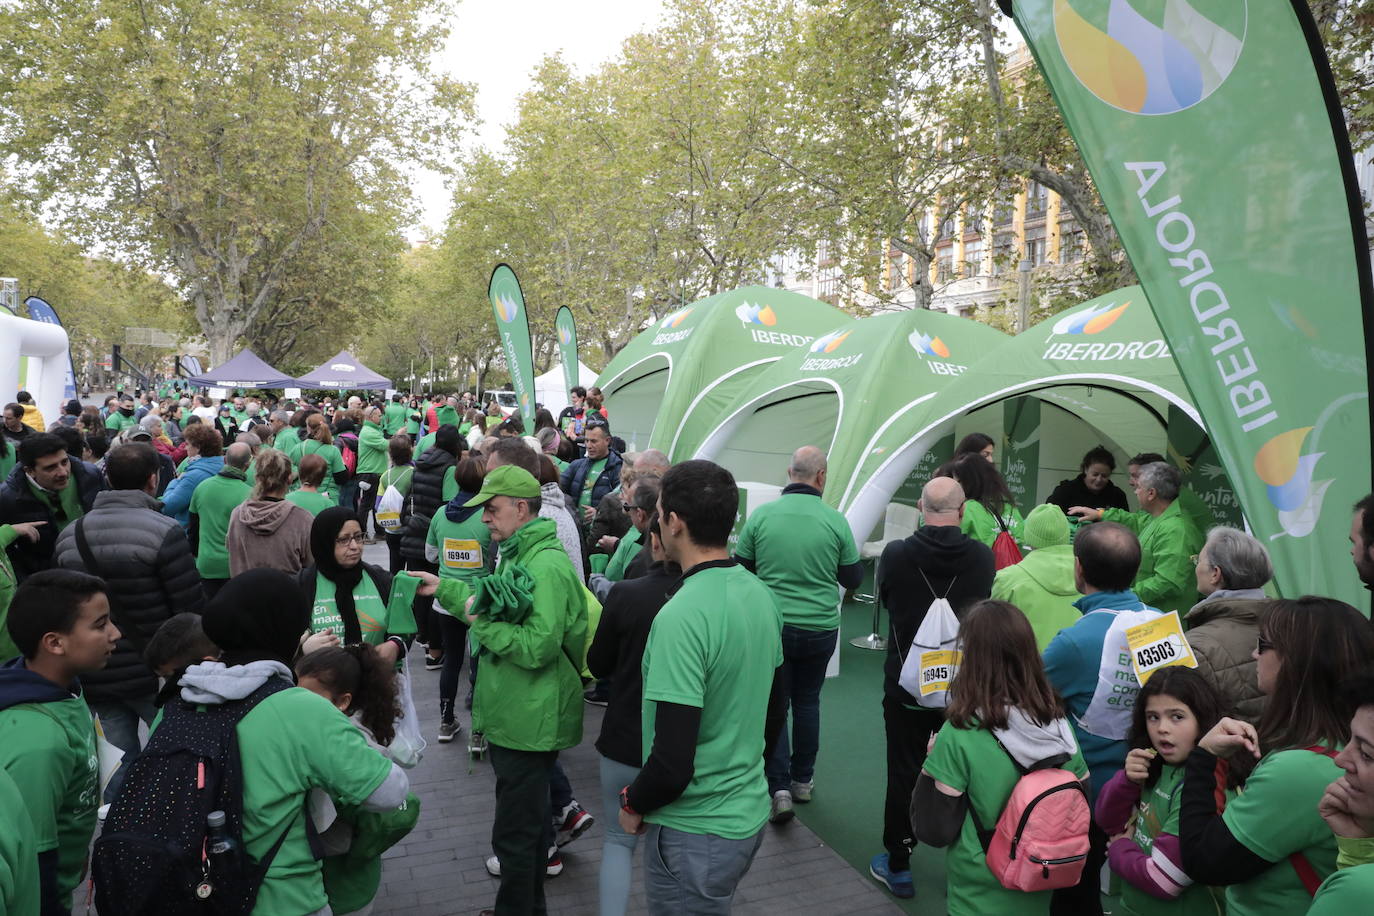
{"type": "Point", "coordinates": [426, 497]}
{"type": "Point", "coordinates": [146, 559]}
{"type": "Point", "coordinates": [19, 504]}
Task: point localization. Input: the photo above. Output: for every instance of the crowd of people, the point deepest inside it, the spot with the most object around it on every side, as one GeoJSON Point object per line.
{"type": "Point", "coordinates": [172, 570]}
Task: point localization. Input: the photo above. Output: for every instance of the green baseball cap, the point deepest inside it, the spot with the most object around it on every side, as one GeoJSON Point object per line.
{"type": "Point", "coordinates": [507, 480]}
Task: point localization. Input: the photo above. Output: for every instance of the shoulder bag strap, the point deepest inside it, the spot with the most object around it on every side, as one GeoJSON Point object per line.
{"type": "Point", "coordinates": [1306, 873]}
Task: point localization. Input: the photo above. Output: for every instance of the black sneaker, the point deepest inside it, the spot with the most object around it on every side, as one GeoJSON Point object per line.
{"type": "Point", "coordinates": [434, 664]}
{"type": "Point", "coordinates": [597, 695]}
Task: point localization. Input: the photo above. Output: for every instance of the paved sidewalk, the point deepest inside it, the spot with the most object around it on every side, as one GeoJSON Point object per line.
{"type": "Point", "coordinates": [439, 869]}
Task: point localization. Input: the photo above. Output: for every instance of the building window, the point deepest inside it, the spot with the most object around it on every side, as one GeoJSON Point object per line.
{"type": "Point", "coordinates": [1071, 243]}
{"type": "Point", "coordinates": [1037, 198]}
{"type": "Point", "coordinates": [1003, 213]}
{"type": "Point", "coordinates": [1003, 254]}
{"type": "Point", "coordinates": [896, 271]}
{"type": "Point", "coordinates": [973, 258]}
{"type": "Point", "coordinates": [946, 229]}
{"type": "Point", "coordinates": [944, 266]}
{"type": "Point", "coordinates": [1035, 245]}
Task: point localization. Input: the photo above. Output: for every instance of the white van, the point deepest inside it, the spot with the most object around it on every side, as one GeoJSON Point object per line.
{"type": "Point", "coordinates": [505, 399]}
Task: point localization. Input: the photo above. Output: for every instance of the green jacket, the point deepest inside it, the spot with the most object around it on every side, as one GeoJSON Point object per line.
{"type": "Point", "coordinates": [1168, 545]}
{"type": "Point", "coordinates": [8, 583]}
{"type": "Point", "coordinates": [980, 524]}
{"type": "Point", "coordinates": [1192, 506]}
{"type": "Point", "coordinates": [371, 449]}
{"type": "Point", "coordinates": [424, 445]}
{"type": "Point", "coordinates": [1041, 585]}
{"type": "Point", "coordinates": [529, 696]}
{"type": "Point", "coordinates": [394, 418]}
{"type": "Point", "coordinates": [211, 505]}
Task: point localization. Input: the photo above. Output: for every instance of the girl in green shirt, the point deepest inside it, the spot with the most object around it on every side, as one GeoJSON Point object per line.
{"type": "Point", "coordinates": [990, 508]}
{"type": "Point", "coordinates": [320, 442]}
{"type": "Point", "coordinates": [1139, 807]}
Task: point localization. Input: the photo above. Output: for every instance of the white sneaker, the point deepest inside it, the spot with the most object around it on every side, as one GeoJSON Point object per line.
{"type": "Point", "coordinates": [782, 807]}
{"type": "Point", "coordinates": [553, 868]}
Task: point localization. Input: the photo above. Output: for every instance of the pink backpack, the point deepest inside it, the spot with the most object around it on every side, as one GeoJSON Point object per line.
{"type": "Point", "coordinates": [1041, 840]}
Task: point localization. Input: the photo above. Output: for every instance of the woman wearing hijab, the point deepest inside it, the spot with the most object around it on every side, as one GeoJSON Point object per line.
{"type": "Point", "coordinates": [291, 741]}
{"type": "Point", "coordinates": [353, 600]}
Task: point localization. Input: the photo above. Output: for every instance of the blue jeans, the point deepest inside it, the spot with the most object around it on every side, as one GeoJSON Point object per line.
{"type": "Point", "coordinates": [694, 874]}
{"type": "Point", "coordinates": [805, 655]}
{"type": "Point", "coordinates": [119, 720]}
{"type": "Point", "coordinates": [618, 850]}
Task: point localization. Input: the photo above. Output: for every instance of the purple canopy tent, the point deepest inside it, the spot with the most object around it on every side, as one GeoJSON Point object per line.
{"type": "Point", "coordinates": [343, 372]}
{"type": "Point", "coordinates": [245, 370]}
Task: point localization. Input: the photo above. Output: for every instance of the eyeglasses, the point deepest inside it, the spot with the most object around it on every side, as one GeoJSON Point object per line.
{"type": "Point", "coordinates": [1263, 645]}
{"type": "Point", "coordinates": [349, 539]}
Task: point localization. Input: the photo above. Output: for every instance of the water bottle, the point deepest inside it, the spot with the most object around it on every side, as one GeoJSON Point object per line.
{"type": "Point", "coordinates": [219, 845]}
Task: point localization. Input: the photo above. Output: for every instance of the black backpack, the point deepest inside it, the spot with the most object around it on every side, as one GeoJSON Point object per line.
{"type": "Point", "coordinates": [151, 859]}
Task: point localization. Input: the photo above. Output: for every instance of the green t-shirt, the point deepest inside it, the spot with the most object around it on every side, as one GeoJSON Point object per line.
{"type": "Point", "coordinates": [1345, 893]}
{"type": "Point", "coordinates": [625, 552]}
{"type": "Point", "coordinates": [312, 501]}
{"type": "Point", "coordinates": [8, 460]}
{"type": "Point", "coordinates": [463, 552]}
{"type": "Point", "coordinates": [49, 750]}
{"type": "Point", "coordinates": [213, 502]}
{"type": "Point", "coordinates": [289, 444]}
{"type": "Point", "coordinates": [333, 461]}
{"type": "Point", "coordinates": [797, 544]}
{"type": "Point", "coordinates": [394, 418]}
{"type": "Point", "coordinates": [377, 618]}
{"type": "Point", "coordinates": [970, 760]}
{"type": "Point", "coordinates": [715, 646]}
{"type": "Point", "coordinates": [116, 423]}
{"type": "Point", "coordinates": [291, 742]}
{"type": "Point", "coordinates": [1158, 814]}
{"type": "Point", "coordinates": [19, 893]}
{"type": "Point", "coordinates": [426, 442]}
{"type": "Point", "coordinates": [1274, 816]}
{"type": "Point", "coordinates": [593, 472]}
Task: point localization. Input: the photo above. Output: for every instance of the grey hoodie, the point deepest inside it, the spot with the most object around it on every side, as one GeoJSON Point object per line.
{"type": "Point", "coordinates": [1029, 743]}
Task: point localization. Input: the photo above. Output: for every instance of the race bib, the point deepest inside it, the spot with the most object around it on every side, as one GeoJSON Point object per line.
{"type": "Point", "coordinates": [1157, 644]}
{"type": "Point", "coordinates": [937, 670]}
{"type": "Point", "coordinates": [389, 521]}
{"type": "Point", "coordinates": [462, 553]}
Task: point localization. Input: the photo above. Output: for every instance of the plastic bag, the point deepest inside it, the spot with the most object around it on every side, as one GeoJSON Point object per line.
{"type": "Point", "coordinates": [389, 509]}
{"type": "Point", "coordinates": [933, 658]}
{"type": "Point", "coordinates": [409, 744]}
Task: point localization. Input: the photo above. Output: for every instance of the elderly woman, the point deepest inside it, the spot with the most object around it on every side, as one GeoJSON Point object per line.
{"type": "Point", "coordinates": [1232, 568]}
{"type": "Point", "coordinates": [161, 441]}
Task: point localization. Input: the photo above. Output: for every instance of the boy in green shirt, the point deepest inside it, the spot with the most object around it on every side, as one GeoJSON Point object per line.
{"type": "Point", "coordinates": [212, 503]}
{"type": "Point", "coordinates": [709, 667]}
{"type": "Point", "coordinates": [60, 620]}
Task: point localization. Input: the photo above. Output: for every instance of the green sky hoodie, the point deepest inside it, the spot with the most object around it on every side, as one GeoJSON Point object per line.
{"type": "Point", "coordinates": [1041, 585]}
{"type": "Point", "coordinates": [212, 503]}
{"type": "Point", "coordinates": [371, 449]}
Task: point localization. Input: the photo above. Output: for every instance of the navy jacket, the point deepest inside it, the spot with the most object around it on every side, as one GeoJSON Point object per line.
{"type": "Point", "coordinates": [575, 477]}
{"type": "Point", "coordinates": [19, 504]}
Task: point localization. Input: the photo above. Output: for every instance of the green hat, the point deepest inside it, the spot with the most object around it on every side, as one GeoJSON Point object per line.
{"type": "Point", "coordinates": [1045, 526]}
{"type": "Point", "coordinates": [507, 480]}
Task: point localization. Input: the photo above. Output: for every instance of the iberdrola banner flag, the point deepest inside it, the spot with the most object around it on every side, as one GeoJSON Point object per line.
{"type": "Point", "coordinates": [508, 305]}
{"type": "Point", "coordinates": [567, 347]}
{"type": "Point", "coordinates": [1215, 137]}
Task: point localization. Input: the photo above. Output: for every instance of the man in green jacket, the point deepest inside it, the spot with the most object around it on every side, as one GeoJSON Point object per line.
{"type": "Point", "coordinates": [372, 447]}
{"type": "Point", "coordinates": [60, 620]}
{"type": "Point", "coordinates": [212, 503]}
{"type": "Point", "coordinates": [1042, 585]}
{"type": "Point", "coordinates": [395, 420]}
{"type": "Point", "coordinates": [1169, 540]}
{"type": "Point", "coordinates": [530, 619]}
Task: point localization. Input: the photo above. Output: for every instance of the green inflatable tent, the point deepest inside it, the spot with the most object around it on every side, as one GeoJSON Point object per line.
{"type": "Point", "coordinates": [844, 390]}
{"type": "Point", "coordinates": [1098, 373]}
{"type": "Point", "coordinates": [670, 384]}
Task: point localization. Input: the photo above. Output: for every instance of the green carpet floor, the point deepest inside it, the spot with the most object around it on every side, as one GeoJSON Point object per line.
{"type": "Point", "coordinates": [851, 771]}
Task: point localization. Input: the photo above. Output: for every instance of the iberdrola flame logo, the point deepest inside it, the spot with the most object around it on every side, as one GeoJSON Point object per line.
{"type": "Point", "coordinates": [1092, 320]}
{"type": "Point", "coordinates": [507, 307]}
{"type": "Point", "coordinates": [564, 335]}
{"type": "Point", "coordinates": [1288, 474]}
{"type": "Point", "coordinates": [927, 345]}
{"type": "Point", "coordinates": [754, 314]}
{"type": "Point", "coordinates": [675, 318]}
{"type": "Point", "coordinates": [1143, 66]}
{"type": "Point", "coordinates": [829, 342]}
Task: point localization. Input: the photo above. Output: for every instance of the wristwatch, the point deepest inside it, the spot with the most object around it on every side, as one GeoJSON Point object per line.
{"type": "Point", "coordinates": [625, 802]}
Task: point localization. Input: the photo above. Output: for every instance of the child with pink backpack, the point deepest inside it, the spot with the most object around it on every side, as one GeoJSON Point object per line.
{"type": "Point", "coordinates": [1004, 787]}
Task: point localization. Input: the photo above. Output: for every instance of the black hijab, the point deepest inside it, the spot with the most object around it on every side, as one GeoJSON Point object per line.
{"type": "Point", "coordinates": [326, 528]}
{"type": "Point", "coordinates": [259, 614]}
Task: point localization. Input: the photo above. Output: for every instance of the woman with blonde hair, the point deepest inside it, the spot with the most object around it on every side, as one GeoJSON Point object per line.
{"type": "Point", "coordinates": [319, 440]}
{"type": "Point", "coordinates": [268, 531]}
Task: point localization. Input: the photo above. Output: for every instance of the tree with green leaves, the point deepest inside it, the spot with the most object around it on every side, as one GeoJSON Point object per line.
{"type": "Point", "coordinates": [215, 141]}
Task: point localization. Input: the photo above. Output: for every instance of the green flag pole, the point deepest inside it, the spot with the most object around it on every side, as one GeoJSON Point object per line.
{"type": "Point", "coordinates": [567, 347]}
{"type": "Point", "coordinates": [513, 326]}
{"type": "Point", "coordinates": [1213, 133]}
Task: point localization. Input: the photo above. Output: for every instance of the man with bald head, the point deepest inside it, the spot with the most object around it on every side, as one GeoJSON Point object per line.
{"type": "Point", "coordinates": [1089, 665]}
{"type": "Point", "coordinates": [937, 561]}
{"type": "Point", "coordinates": [803, 550]}
{"type": "Point", "coordinates": [211, 505]}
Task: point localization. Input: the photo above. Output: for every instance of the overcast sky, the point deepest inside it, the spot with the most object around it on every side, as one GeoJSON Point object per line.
{"type": "Point", "coordinates": [497, 43]}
